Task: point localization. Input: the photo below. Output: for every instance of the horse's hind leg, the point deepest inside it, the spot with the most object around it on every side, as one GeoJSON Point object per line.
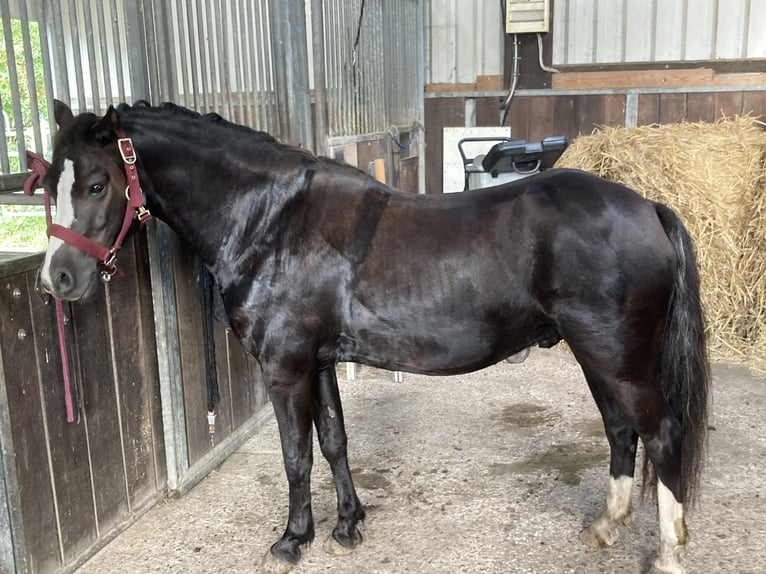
{"type": "Point", "coordinates": [640, 404]}
{"type": "Point", "coordinates": [623, 439]}
{"type": "Point", "coordinates": [662, 437]}
{"type": "Point", "coordinates": [328, 417]}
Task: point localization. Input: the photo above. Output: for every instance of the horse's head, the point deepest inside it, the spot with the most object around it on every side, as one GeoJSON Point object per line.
{"type": "Point", "coordinates": [88, 183]}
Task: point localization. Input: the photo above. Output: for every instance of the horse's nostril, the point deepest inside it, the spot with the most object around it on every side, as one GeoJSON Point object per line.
{"type": "Point", "coordinates": [63, 280]}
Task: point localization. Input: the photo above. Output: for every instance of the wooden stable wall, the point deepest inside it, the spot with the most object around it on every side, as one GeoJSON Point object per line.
{"type": "Point", "coordinates": [67, 488]}
{"type": "Point", "coordinates": [70, 486]}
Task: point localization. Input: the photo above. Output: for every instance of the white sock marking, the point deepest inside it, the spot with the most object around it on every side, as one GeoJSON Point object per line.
{"type": "Point", "coordinates": [670, 511]}
{"type": "Point", "coordinates": [618, 496]}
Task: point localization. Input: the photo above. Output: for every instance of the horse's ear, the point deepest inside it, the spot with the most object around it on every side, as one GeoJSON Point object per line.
{"type": "Point", "coordinates": [106, 129]}
{"type": "Point", "coordinates": [62, 114]}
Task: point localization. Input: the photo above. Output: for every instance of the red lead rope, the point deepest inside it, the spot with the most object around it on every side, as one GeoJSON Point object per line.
{"type": "Point", "coordinates": [106, 256]}
{"type": "Point", "coordinates": [39, 167]}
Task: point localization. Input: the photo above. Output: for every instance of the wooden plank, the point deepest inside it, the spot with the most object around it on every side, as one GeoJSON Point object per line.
{"type": "Point", "coordinates": [224, 425]}
{"type": "Point", "coordinates": [408, 174]}
{"type": "Point", "coordinates": [445, 88]}
{"type": "Point", "coordinates": [743, 79]}
{"type": "Point", "coordinates": [519, 117]}
{"type": "Point", "coordinates": [700, 107]}
{"type": "Point", "coordinates": [727, 104]}
{"type": "Point", "coordinates": [492, 83]}
{"type": "Point", "coordinates": [633, 79]}
{"type": "Point", "coordinates": [68, 443]}
{"type": "Point", "coordinates": [439, 112]}
{"type": "Point", "coordinates": [100, 408]}
{"type": "Point", "coordinates": [488, 111]}
{"type": "Point", "coordinates": [188, 308]}
{"type": "Point", "coordinates": [565, 116]}
{"type": "Point", "coordinates": [369, 151]}
{"type": "Point", "coordinates": [648, 109]}
{"type": "Point", "coordinates": [150, 362]}
{"type": "Point", "coordinates": [541, 122]}
{"type": "Point", "coordinates": [672, 108]}
{"type": "Point", "coordinates": [754, 103]}
{"type": "Point", "coordinates": [489, 83]}
{"type": "Point", "coordinates": [35, 496]}
{"type": "Point", "coordinates": [591, 113]}
{"type": "Point", "coordinates": [137, 379]}
{"type": "Point", "coordinates": [614, 110]}
{"type": "Point", "coordinates": [243, 384]}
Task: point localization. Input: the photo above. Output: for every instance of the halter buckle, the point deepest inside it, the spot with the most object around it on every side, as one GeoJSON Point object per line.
{"type": "Point", "coordinates": [143, 215]}
{"type": "Point", "coordinates": [127, 151]}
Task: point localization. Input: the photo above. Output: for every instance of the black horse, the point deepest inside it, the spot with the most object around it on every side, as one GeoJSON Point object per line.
{"type": "Point", "coordinates": [319, 263]}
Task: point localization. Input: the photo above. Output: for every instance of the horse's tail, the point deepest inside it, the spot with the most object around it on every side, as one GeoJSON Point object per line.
{"type": "Point", "coordinates": [684, 366]}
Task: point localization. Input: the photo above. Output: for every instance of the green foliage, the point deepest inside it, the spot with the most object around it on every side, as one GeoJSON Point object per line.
{"type": "Point", "coordinates": [23, 74]}
{"type": "Point", "coordinates": [22, 228]}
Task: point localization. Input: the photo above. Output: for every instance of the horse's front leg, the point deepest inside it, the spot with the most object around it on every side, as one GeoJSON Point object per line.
{"type": "Point", "coordinates": [290, 394]}
{"type": "Point", "coordinates": [328, 417]}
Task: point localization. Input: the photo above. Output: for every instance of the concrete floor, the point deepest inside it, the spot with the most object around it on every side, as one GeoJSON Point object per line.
{"type": "Point", "coordinates": [496, 471]}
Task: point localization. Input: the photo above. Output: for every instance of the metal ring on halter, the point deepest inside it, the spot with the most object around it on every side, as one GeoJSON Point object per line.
{"type": "Point", "coordinates": [109, 267]}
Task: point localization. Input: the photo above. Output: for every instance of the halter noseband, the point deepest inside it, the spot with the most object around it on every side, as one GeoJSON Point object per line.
{"type": "Point", "coordinates": [107, 256]}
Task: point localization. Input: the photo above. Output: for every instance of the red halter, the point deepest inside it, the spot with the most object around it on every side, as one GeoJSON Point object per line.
{"type": "Point", "coordinates": [135, 207]}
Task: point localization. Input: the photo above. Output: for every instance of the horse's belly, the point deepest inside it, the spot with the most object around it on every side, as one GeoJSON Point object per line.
{"type": "Point", "coordinates": [428, 348]}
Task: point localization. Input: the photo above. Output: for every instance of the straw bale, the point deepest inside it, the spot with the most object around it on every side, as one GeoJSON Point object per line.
{"type": "Point", "coordinates": [714, 176]}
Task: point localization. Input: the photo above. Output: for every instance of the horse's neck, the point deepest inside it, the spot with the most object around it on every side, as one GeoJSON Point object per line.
{"type": "Point", "coordinates": [222, 211]}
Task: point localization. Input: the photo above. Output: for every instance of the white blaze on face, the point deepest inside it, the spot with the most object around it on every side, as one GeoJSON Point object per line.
{"type": "Point", "coordinates": [64, 215]}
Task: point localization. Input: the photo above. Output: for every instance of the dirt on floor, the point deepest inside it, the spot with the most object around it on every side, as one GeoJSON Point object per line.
{"type": "Point", "coordinates": [495, 471]}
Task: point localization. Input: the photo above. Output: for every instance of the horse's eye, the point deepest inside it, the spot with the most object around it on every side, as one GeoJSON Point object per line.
{"type": "Point", "coordinates": [97, 188]}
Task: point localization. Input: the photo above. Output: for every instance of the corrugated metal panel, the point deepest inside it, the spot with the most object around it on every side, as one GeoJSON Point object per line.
{"type": "Point", "coordinates": [372, 54]}
{"type": "Point", "coordinates": [615, 31]}
{"type": "Point", "coordinates": [467, 40]}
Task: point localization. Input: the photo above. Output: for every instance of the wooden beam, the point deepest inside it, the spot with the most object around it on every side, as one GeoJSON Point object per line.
{"type": "Point", "coordinates": [633, 79]}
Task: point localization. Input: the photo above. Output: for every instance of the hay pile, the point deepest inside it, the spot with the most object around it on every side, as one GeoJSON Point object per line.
{"type": "Point", "coordinates": [714, 176]}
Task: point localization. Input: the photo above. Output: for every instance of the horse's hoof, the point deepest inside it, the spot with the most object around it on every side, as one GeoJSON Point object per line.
{"type": "Point", "coordinates": [270, 564]}
{"type": "Point", "coordinates": [335, 548]}
{"type": "Point", "coordinates": [676, 569]}
{"type": "Point", "coordinates": [600, 534]}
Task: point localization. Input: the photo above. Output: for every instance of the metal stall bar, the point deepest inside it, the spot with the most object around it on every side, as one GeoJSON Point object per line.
{"type": "Point", "coordinates": [320, 95]}
{"type": "Point", "coordinates": [268, 56]}
{"type": "Point", "coordinates": [71, 11]}
{"type": "Point", "coordinates": [106, 73]}
{"type": "Point", "coordinates": [38, 144]}
{"type": "Point", "coordinates": [289, 46]}
{"type": "Point", "coordinates": [95, 104]}
{"type": "Point", "coordinates": [199, 25]}
{"type": "Point", "coordinates": [224, 60]}
{"type": "Point", "coordinates": [15, 98]}
{"type": "Point", "coordinates": [191, 81]}
{"type": "Point", "coordinates": [117, 49]}
{"type": "Point", "coordinates": [245, 72]}
{"type": "Point", "coordinates": [233, 24]}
